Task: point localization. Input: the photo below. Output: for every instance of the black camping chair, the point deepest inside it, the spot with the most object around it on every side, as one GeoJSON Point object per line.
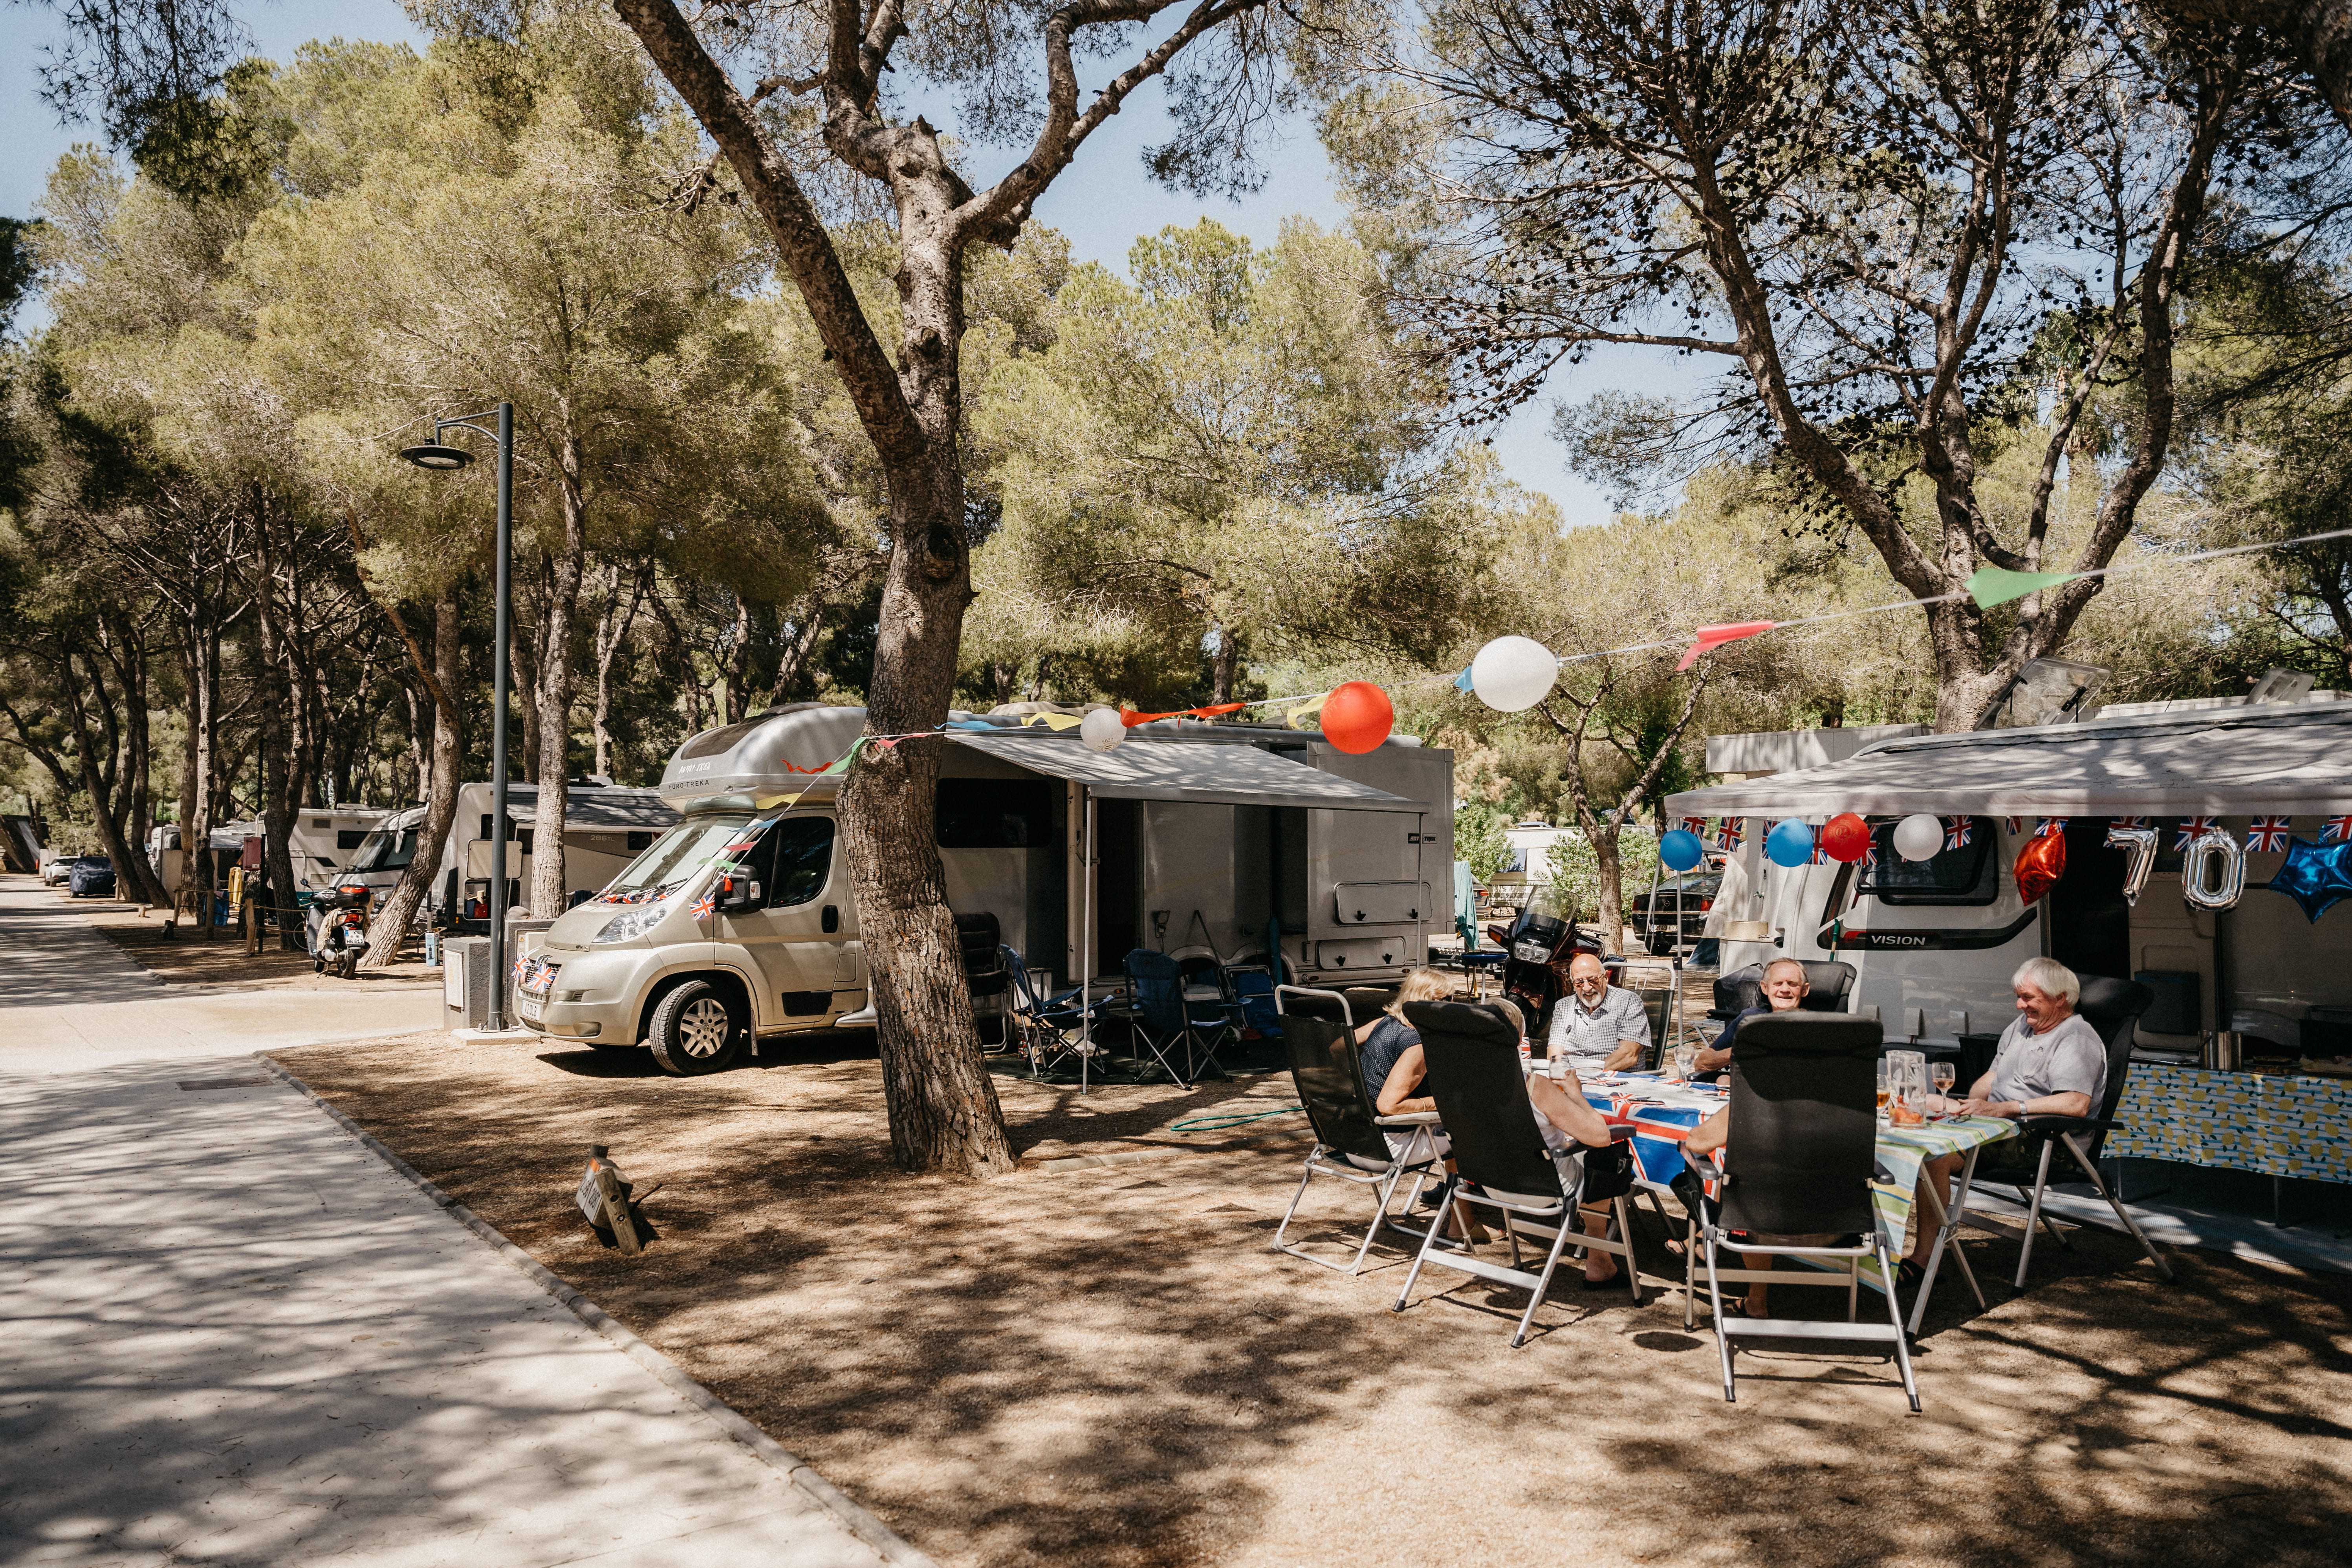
{"type": "Point", "coordinates": [1154, 1013]}
{"type": "Point", "coordinates": [1802, 1148]}
{"type": "Point", "coordinates": [980, 943]}
{"type": "Point", "coordinates": [1348, 1141]}
{"type": "Point", "coordinates": [1830, 979]}
{"type": "Point", "coordinates": [2113, 1007]}
{"type": "Point", "coordinates": [1472, 1058]}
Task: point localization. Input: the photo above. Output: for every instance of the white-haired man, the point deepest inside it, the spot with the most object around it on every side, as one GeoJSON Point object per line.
{"type": "Point", "coordinates": [2049, 1062]}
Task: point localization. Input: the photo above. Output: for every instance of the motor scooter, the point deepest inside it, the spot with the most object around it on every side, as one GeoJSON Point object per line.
{"type": "Point", "coordinates": [1537, 948]}
{"type": "Point", "coordinates": [341, 934]}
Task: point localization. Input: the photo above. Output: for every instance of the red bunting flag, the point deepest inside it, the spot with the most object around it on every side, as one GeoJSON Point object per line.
{"type": "Point", "coordinates": [1132, 719]}
{"type": "Point", "coordinates": [1713, 638]}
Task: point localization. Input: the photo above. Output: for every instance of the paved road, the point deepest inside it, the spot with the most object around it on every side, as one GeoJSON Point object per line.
{"type": "Point", "coordinates": [230, 1334]}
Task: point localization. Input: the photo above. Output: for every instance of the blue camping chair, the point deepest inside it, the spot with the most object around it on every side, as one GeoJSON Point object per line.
{"type": "Point", "coordinates": [1254, 995]}
{"type": "Point", "coordinates": [1052, 1027]}
{"type": "Point", "coordinates": [1154, 1011]}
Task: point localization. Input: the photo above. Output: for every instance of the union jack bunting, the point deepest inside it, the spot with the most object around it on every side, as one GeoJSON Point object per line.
{"type": "Point", "coordinates": [2189, 828]}
{"type": "Point", "coordinates": [2016, 825]}
{"type": "Point", "coordinates": [1958, 832]}
{"type": "Point", "coordinates": [2048, 825]}
{"type": "Point", "coordinates": [702, 908]}
{"type": "Point", "coordinates": [2268, 834]}
{"type": "Point", "coordinates": [1696, 825]}
{"type": "Point", "coordinates": [2128, 821]}
{"type": "Point", "coordinates": [1731, 834]}
{"type": "Point", "coordinates": [2336, 827]}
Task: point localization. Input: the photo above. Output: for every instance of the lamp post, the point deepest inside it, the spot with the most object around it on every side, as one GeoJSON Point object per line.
{"type": "Point", "coordinates": [434, 455]}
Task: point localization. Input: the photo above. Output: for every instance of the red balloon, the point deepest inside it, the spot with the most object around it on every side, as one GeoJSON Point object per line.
{"type": "Point", "coordinates": [2039, 865]}
{"type": "Point", "coordinates": [1357, 717]}
{"type": "Point", "coordinates": [1845, 838]}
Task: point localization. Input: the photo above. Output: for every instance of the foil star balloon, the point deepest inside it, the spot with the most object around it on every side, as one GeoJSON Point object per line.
{"type": "Point", "coordinates": [2039, 865]}
{"type": "Point", "coordinates": [2315, 876]}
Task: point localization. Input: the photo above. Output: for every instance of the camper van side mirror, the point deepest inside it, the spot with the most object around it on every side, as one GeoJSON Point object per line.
{"type": "Point", "coordinates": [739, 893]}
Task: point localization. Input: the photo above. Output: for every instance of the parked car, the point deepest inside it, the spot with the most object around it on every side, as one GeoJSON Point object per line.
{"type": "Point", "coordinates": [1693, 893]}
{"type": "Point", "coordinates": [56, 869]}
{"type": "Point", "coordinates": [92, 876]}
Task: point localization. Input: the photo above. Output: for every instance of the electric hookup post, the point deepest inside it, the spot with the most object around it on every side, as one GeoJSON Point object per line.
{"type": "Point", "coordinates": [604, 1198]}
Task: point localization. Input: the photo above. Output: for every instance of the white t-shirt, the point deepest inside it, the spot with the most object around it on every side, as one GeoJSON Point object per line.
{"type": "Point", "coordinates": [2069, 1058]}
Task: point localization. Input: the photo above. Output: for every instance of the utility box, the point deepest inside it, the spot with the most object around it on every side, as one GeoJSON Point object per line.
{"type": "Point", "coordinates": [466, 983]}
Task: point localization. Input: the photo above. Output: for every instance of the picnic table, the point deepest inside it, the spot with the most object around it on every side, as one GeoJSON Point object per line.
{"type": "Point", "coordinates": [1661, 1112]}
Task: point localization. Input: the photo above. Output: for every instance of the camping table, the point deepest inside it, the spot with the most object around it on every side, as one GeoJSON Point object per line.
{"type": "Point", "coordinates": [1662, 1113]}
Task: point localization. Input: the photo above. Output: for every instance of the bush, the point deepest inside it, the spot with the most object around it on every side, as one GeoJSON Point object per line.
{"type": "Point", "coordinates": [1576, 868]}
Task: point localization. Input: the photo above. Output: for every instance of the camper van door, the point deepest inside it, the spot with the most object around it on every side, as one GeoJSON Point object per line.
{"type": "Point", "coordinates": [800, 963]}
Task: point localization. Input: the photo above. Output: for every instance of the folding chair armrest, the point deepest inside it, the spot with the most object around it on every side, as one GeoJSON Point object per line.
{"type": "Point", "coordinates": [2048, 1126]}
{"type": "Point", "coordinates": [1411, 1118]}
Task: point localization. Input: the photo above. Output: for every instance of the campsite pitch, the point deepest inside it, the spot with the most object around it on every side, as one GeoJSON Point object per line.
{"type": "Point", "coordinates": [1103, 1363]}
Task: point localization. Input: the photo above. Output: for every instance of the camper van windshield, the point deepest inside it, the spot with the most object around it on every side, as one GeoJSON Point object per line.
{"type": "Point", "coordinates": [386, 849]}
{"type": "Point", "coordinates": [679, 853]}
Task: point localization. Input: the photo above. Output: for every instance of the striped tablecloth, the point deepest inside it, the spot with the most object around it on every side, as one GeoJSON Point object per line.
{"type": "Point", "coordinates": [1661, 1114]}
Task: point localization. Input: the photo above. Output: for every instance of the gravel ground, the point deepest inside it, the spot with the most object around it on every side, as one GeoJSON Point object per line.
{"type": "Point", "coordinates": [1105, 1364]}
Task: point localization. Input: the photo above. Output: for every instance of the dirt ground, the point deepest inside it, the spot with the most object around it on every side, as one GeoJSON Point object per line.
{"type": "Point", "coordinates": [184, 957]}
{"type": "Point", "coordinates": [1106, 1364]}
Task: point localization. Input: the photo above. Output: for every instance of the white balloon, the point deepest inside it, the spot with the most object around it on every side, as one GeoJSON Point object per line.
{"type": "Point", "coordinates": [1102, 729]}
{"type": "Point", "coordinates": [1920, 837]}
{"type": "Point", "coordinates": [1513, 673]}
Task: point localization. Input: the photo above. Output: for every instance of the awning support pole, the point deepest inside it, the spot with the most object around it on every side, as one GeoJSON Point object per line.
{"type": "Point", "coordinates": [1086, 943]}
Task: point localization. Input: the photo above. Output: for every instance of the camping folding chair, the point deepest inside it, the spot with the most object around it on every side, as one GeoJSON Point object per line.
{"type": "Point", "coordinates": [2113, 1008]}
{"type": "Point", "coordinates": [1210, 1005]}
{"type": "Point", "coordinates": [1051, 1028]}
{"type": "Point", "coordinates": [1473, 1060]}
{"type": "Point", "coordinates": [1153, 1011]}
{"type": "Point", "coordinates": [1803, 1146]}
{"type": "Point", "coordinates": [1349, 1143]}
{"type": "Point", "coordinates": [1254, 997]}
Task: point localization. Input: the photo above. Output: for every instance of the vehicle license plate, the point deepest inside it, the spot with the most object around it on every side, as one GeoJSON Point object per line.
{"type": "Point", "coordinates": [531, 1008]}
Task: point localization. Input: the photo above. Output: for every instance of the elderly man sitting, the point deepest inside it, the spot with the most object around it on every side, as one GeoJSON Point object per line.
{"type": "Point", "coordinates": [1597, 1027]}
{"type": "Point", "coordinates": [1786, 986]}
{"type": "Point", "coordinates": [2049, 1062]}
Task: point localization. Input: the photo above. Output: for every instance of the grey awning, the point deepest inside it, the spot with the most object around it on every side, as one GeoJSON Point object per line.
{"type": "Point", "coordinates": [1208, 773]}
{"type": "Point", "coordinates": [2292, 761]}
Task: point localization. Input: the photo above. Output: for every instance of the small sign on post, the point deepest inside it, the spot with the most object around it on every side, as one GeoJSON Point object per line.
{"type": "Point", "coordinates": [604, 1197]}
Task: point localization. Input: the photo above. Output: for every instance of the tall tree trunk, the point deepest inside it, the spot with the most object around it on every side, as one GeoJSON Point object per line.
{"type": "Point", "coordinates": [415, 885]}
{"type": "Point", "coordinates": [555, 682]}
{"type": "Point", "coordinates": [276, 744]}
{"type": "Point", "coordinates": [612, 635]}
{"type": "Point", "coordinates": [1225, 665]}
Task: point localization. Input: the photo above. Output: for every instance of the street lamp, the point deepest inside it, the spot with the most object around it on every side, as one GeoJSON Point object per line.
{"type": "Point", "coordinates": [435, 456]}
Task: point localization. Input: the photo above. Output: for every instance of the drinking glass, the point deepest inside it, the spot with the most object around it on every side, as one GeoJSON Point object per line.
{"type": "Point", "coordinates": [1943, 1073]}
{"type": "Point", "coordinates": [1685, 1060]}
{"type": "Point", "coordinates": [1882, 1088]}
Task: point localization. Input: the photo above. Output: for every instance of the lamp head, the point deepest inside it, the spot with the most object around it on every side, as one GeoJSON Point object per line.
{"type": "Point", "coordinates": [433, 454]}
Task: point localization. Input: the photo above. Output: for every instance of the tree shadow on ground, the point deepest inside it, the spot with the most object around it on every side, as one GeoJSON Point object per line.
{"type": "Point", "coordinates": [1109, 1365]}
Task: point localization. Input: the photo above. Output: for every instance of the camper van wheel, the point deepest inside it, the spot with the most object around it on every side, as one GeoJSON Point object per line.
{"type": "Point", "coordinates": [694, 1031]}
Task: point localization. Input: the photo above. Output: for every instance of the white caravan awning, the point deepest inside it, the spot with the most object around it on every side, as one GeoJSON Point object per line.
{"type": "Point", "coordinates": [2292, 761]}
{"type": "Point", "coordinates": [1209, 773]}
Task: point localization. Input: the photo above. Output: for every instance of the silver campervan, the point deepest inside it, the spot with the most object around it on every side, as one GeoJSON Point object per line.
{"type": "Point", "coordinates": [739, 923]}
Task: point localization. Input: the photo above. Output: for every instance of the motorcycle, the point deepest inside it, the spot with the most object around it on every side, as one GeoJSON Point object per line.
{"type": "Point", "coordinates": [342, 930]}
{"type": "Point", "coordinates": [1538, 947]}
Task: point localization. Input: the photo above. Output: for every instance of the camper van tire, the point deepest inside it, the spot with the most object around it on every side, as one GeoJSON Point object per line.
{"type": "Point", "coordinates": [696, 1029]}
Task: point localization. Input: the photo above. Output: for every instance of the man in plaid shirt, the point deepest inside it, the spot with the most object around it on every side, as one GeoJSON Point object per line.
{"type": "Point", "coordinates": [1597, 1027]}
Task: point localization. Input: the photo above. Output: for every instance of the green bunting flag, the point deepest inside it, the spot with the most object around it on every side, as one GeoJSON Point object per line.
{"type": "Point", "coordinates": [1990, 586]}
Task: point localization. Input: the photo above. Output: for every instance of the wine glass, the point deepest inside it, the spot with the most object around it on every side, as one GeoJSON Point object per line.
{"type": "Point", "coordinates": [1685, 1060]}
{"type": "Point", "coordinates": [1943, 1073]}
{"type": "Point", "coordinates": [1882, 1088]}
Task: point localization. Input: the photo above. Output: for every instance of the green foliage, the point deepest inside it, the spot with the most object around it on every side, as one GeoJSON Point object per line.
{"type": "Point", "coordinates": [1478, 839]}
{"type": "Point", "coordinates": [1575, 868]}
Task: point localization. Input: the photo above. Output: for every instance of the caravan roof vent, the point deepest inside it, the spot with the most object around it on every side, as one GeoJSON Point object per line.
{"type": "Point", "coordinates": [2049, 691]}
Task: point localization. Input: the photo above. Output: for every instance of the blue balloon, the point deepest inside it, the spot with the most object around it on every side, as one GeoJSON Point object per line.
{"type": "Point", "coordinates": [1789, 843]}
{"type": "Point", "coordinates": [1681, 850]}
{"type": "Point", "coordinates": [2316, 876]}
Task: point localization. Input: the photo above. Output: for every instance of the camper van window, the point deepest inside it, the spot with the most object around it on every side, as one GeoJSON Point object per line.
{"type": "Point", "coordinates": [639, 841]}
{"type": "Point", "coordinates": [679, 853]}
{"type": "Point", "coordinates": [1965, 875]}
{"type": "Point", "coordinates": [349, 837]}
{"type": "Point", "coordinates": [803, 859]}
{"type": "Point", "coordinates": [385, 850]}
{"type": "Point", "coordinates": [994, 814]}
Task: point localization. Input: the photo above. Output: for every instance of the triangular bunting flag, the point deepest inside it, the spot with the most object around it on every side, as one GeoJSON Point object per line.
{"type": "Point", "coordinates": [1990, 586]}
{"type": "Point", "coordinates": [1713, 638]}
{"type": "Point", "coordinates": [1307, 709]}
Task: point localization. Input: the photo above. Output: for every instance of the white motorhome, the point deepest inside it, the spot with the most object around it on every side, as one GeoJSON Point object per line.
{"type": "Point", "coordinates": [1236, 837]}
{"type": "Point", "coordinates": [605, 827]}
{"type": "Point", "coordinates": [322, 843]}
{"type": "Point", "coordinates": [1934, 942]}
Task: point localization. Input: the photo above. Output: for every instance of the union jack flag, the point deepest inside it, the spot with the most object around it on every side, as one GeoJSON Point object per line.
{"type": "Point", "coordinates": [2016, 825]}
{"type": "Point", "coordinates": [2048, 825]}
{"type": "Point", "coordinates": [2129, 822]}
{"type": "Point", "coordinates": [2336, 827]}
{"type": "Point", "coordinates": [1958, 832]}
{"type": "Point", "coordinates": [1695, 825]}
{"type": "Point", "coordinates": [702, 908]}
{"type": "Point", "coordinates": [2268, 834]}
{"type": "Point", "coordinates": [2189, 828]}
{"type": "Point", "coordinates": [1730, 835]}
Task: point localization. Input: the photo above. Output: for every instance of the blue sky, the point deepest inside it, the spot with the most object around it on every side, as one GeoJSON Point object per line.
{"type": "Point", "coordinates": [1102, 202]}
